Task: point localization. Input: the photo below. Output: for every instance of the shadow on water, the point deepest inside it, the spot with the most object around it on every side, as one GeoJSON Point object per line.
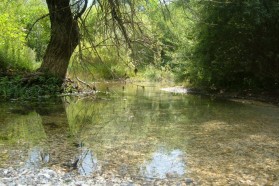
{"type": "Point", "coordinates": [145, 134]}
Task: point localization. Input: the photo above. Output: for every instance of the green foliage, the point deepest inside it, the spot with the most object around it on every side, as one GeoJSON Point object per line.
{"type": "Point", "coordinates": [12, 50]}
{"type": "Point", "coordinates": [14, 54]}
{"type": "Point", "coordinates": [154, 74]}
{"type": "Point", "coordinates": [105, 51]}
{"type": "Point", "coordinates": [38, 37]}
{"type": "Point", "coordinates": [16, 87]}
{"type": "Point", "coordinates": [224, 44]}
{"type": "Point", "coordinates": [109, 65]}
{"type": "Point", "coordinates": [235, 45]}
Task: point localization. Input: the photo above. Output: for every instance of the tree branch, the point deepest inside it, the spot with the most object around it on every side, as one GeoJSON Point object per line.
{"type": "Point", "coordinates": [79, 14]}
{"type": "Point", "coordinates": [32, 26]}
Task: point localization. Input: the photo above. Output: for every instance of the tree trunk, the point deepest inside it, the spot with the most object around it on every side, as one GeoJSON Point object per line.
{"type": "Point", "coordinates": [64, 39]}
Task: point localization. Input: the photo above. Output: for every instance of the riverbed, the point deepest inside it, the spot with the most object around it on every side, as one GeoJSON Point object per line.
{"type": "Point", "coordinates": [128, 134]}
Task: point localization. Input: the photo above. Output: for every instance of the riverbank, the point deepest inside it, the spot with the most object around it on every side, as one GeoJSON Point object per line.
{"type": "Point", "coordinates": [270, 97]}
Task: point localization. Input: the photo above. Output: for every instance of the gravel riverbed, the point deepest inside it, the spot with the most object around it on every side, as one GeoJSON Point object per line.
{"type": "Point", "coordinates": [47, 176]}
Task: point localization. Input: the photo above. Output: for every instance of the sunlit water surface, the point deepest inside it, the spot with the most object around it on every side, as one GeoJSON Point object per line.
{"type": "Point", "coordinates": [145, 134]}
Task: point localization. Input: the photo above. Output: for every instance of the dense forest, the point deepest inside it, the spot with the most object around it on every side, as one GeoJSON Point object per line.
{"type": "Point", "coordinates": [217, 45]}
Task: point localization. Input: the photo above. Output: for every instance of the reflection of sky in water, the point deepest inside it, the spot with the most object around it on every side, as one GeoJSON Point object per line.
{"type": "Point", "coordinates": [36, 158]}
{"type": "Point", "coordinates": [87, 162]}
{"type": "Point", "coordinates": [164, 164]}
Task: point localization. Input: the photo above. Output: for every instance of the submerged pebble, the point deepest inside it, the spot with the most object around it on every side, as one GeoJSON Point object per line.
{"type": "Point", "coordinates": [46, 176]}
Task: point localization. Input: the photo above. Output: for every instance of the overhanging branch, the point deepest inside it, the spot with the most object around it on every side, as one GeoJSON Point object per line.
{"type": "Point", "coordinates": [32, 26]}
{"type": "Point", "coordinates": [79, 14]}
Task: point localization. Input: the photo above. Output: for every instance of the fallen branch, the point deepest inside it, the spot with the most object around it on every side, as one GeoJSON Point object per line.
{"type": "Point", "coordinates": [88, 85]}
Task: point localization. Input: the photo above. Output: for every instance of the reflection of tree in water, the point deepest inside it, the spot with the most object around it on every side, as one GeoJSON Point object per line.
{"type": "Point", "coordinates": [59, 142]}
{"type": "Point", "coordinates": [123, 131]}
{"type": "Point", "coordinates": [40, 132]}
{"type": "Point", "coordinates": [64, 147]}
{"type": "Point", "coordinates": [20, 130]}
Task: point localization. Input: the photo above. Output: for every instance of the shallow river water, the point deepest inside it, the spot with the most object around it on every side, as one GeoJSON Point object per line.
{"type": "Point", "coordinates": [145, 134]}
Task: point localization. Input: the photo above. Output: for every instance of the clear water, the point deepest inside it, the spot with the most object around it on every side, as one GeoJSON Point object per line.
{"type": "Point", "coordinates": [145, 134]}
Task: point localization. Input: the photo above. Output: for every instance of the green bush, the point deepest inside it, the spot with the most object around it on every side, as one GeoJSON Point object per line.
{"type": "Point", "coordinates": [235, 46]}
{"type": "Point", "coordinates": [16, 87]}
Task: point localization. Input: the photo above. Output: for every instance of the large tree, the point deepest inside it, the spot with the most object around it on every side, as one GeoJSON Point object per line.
{"type": "Point", "coordinates": [66, 20]}
{"type": "Point", "coordinates": [64, 37]}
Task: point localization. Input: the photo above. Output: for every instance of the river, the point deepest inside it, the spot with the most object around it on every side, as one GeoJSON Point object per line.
{"type": "Point", "coordinates": [146, 134]}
